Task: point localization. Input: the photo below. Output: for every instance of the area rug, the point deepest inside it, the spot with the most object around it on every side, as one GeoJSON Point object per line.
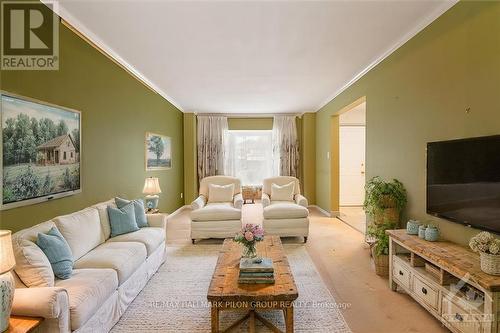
{"type": "Point", "coordinates": [175, 298]}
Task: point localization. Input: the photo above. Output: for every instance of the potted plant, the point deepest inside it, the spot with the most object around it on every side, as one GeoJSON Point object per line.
{"type": "Point", "coordinates": [380, 247]}
{"type": "Point", "coordinates": [384, 200]}
{"type": "Point", "coordinates": [489, 252]}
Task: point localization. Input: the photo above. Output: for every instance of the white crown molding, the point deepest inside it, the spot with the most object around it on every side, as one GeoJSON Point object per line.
{"type": "Point", "coordinates": [59, 9]}
{"type": "Point", "coordinates": [446, 5]}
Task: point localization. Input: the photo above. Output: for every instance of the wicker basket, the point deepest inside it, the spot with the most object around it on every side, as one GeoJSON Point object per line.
{"type": "Point", "coordinates": [490, 263]}
{"type": "Point", "coordinates": [381, 263]}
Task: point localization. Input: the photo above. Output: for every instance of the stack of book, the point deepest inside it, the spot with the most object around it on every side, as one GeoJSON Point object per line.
{"type": "Point", "coordinates": [256, 272]}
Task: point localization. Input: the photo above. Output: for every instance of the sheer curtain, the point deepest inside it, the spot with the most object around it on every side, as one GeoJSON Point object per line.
{"type": "Point", "coordinates": [285, 146]}
{"type": "Point", "coordinates": [212, 131]}
{"type": "Point", "coordinates": [249, 155]}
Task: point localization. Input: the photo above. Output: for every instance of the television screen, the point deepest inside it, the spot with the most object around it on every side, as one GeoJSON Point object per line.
{"type": "Point", "coordinates": [463, 181]}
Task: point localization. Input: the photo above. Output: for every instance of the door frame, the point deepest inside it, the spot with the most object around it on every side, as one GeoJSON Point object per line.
{"type": "Point", "coordinates": [335, 155]}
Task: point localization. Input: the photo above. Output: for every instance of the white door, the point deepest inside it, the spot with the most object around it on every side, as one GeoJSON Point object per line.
{"type": "Point", "coordinates": [352, 165]}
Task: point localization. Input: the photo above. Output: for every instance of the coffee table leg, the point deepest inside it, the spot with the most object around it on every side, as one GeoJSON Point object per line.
{"type": "Point", "coordinates": [289, 319]}
{"type": "Point", "coordinates": [251, 323]}
{"type": "Point", "coordinates": [215, 319]}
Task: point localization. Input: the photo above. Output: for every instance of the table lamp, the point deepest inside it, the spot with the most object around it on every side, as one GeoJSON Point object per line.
{"type": "Point", "coordinates": [7, 287]}
{"type": "Point", "coordinates": [151, 189]}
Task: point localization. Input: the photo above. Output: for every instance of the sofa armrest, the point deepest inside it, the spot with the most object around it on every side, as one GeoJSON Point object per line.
{"type": "Point", "coordinates": [46, 302]}
{"type": "Point", "coordinates": [238, 201]}
{"type": "Point", "coordinates": [200, 202]}
{"type": "Point", "coordinates": [157, 220]}
{"type": "Point", "coordinates": [266, 201]}
{"type": "Point", "coordinates": [301, 200]}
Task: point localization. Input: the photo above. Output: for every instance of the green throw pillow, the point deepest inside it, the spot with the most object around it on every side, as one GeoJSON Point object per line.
{"type": "Point", "coordinates": [57, 251]}
{"type": "Point", "coordinates": [140, 212]}
{"type": "Point", "coordinates": [122, 220]}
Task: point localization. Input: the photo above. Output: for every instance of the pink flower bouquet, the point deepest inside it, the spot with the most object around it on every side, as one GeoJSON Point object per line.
{"type": "Point", "coordinates": [249, 235]}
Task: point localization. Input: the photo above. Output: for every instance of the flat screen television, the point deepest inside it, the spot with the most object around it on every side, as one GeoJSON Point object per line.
{"type": "Point", "coordinates": [463, 181]}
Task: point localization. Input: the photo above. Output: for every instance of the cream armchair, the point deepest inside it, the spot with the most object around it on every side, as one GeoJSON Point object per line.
{"type": "Point", "coordinates": [214, 218]}
{"type": "Point", "coordinates": [289, 218]}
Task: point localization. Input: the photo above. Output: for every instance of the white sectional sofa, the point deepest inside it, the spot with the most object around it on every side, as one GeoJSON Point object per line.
{"type": "Point", "coordinates": [108, 272]}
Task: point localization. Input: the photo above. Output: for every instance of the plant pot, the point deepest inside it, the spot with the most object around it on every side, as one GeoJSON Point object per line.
{"type": "Point", "coordinates": [490, 263]}
{"type": "Point", "coordinates": [381, 263]}
{"type": "Point", "coordinates": [386, 215]}
{"type": "Point", "coordinates": [387, 201]}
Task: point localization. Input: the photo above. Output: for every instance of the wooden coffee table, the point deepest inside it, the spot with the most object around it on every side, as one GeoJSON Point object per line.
{"type": "Point", "coordinates": [225, 293]}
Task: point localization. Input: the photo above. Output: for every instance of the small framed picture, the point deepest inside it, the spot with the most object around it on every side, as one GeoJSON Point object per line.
{"type": "Point", "coordinates": [158, 152]}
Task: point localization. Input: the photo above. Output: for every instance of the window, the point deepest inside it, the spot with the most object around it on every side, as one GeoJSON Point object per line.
{"type": "Point", "coordinates": [64, 155]}
{"type": "Point", "coordinates": [249, 156]}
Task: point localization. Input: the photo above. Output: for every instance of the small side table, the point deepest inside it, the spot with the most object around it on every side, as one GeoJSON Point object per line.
{"type": "Point", "coordinates": [19, 324]}
{"type": "Point", "coordinates": [248, 193]}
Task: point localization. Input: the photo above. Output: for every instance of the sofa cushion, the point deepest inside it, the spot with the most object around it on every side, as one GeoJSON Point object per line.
{"type": "Point", "coordinates": [32, 265]}
{"type": "Point", "coordinates": [124, 258]}
{"type": "Point", "coordinates": [139, 210]}
{"type": "Point", "coordinates": [285, 210]}
{"type": "Point", "coordinates": [88, 289]}
{"type": "Point", "coordinates": [102, 209]}
{"type": "Point", "coordinates": [220, 193]}
{"type": "Point", "coordinates": [150, 237]}
{"type": "Point", "coordinates": [82, 230]}
{"type": "Point", "coordinates": [57, 251]}
{"type": "Point", "coordinates": [216, 212]}
{"type": "Point", "coordinates": [122, 220]}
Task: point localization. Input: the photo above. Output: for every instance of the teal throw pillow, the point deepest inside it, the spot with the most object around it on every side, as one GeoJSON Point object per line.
{"type": "Point", "coordinates": [57, 251]}
{"type": "Point", "coordinates": [122, 220]}
{"type": "Point", "coordinates": [140, 212]}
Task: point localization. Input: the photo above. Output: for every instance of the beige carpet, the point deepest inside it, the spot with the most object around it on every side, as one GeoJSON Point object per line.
{"type": "Point", "coordinates": [175, 298]}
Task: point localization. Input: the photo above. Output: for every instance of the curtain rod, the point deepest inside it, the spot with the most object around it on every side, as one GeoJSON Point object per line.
{"type": "Point", "coordinates": [249, 115]}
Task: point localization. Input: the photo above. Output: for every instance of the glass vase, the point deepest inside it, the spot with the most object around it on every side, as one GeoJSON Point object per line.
{"type": "Point", "coordinates": [249, 251]}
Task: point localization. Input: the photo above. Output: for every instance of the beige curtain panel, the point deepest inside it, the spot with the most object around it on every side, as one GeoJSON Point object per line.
{"type": "Point", "coordinates": [212, 131]}
{"type": "Point", "coordinates": [285, 146]}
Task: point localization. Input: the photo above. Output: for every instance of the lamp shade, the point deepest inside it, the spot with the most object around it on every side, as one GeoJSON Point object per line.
{"type": "Point", "coordinates": [151, 186]}
{"type": "Point", "coordinates": [7, 261]}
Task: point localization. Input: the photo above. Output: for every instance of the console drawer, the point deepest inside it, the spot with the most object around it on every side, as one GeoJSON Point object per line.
{"type": "Point", "coordinates": [400, 273]}
{"type": "Point", "coordinates": [425, 292]}
{"type": "Point", "coordinates": [458, 318]}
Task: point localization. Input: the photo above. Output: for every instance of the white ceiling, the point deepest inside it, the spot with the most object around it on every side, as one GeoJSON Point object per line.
{"type": "Point", "coordinates": [250, 56]}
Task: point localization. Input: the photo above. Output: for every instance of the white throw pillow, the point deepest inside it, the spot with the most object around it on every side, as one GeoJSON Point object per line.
{"type": "Point", "coordinates": [32, 265]}
{"type": "Point", "coordinates": [220, 193]}
{"type": "Point", "coordinates": [282, 193]}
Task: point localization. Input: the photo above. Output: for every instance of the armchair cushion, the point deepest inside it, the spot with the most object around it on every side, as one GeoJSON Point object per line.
{"type": "Point", "coordinates": [220, 193]}
{"type": "Point", "coordinates": [301, 200]}
{"type": "Point", "coordinates": [200, 202]}
{"type": "Point", "coordinates": [216, 212]}
{"type": "Point", "coordinates": [285, 210]}
{"type": "Point", "coordinates": [283, 192]}
{"type": "Point", "coordinates": [238, 201]}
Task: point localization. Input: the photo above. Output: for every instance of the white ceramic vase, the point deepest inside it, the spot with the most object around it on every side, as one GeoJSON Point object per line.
{"type": "Point", "coordinates": [7, 289]}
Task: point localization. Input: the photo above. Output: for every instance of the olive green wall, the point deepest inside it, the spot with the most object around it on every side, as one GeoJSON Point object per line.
{"type": "Point", "coordinates": [190, 159]}
{"type": "Point", "coordinates": [117, 110]}
{"type": "Point", "coordinates": [250, 123]}
{"type": "Point", "coordinates": [420, 93]}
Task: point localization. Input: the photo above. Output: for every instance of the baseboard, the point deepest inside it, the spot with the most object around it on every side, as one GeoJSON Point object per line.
{"type": "Point", "coordinates": [177, 211]}
{"type": "Point", "coordinates": [322, 211]}
{"type": "Point", "coordinates": [335, 213]}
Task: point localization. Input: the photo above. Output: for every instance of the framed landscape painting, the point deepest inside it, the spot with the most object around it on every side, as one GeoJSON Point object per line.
{"type": "Point", "coordinates": [40, 151]}
{"type": "Point", "coordinates": [158, 152]}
